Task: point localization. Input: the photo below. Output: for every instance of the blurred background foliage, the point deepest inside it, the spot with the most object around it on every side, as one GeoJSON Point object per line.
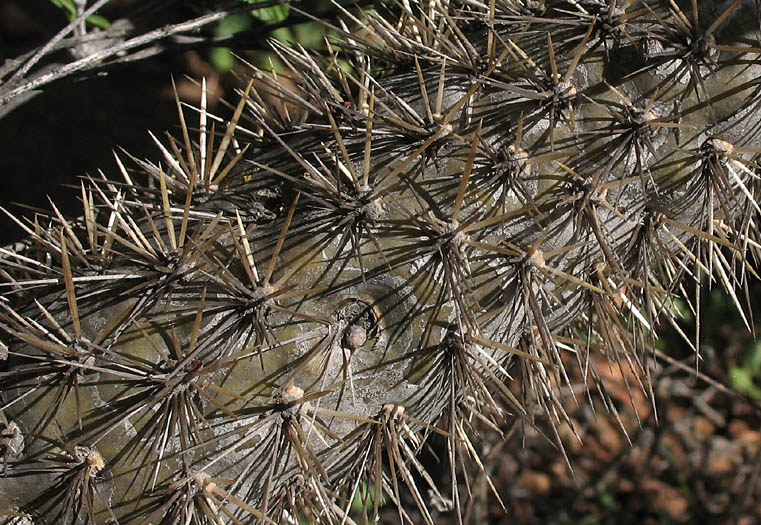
{"type": "Point", "coordinates": [70, 9]}
{"type": "Point", "coordinates": [271, 22]}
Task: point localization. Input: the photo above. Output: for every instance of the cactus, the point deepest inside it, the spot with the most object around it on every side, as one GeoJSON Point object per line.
{"type": "Point", "coordinates": [454, 205]}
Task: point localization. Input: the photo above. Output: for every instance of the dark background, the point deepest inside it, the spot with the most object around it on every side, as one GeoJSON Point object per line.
{"type": "Point", "coordinates": [71, 129]}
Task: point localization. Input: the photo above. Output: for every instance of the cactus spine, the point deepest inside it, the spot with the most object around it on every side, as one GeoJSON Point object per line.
{"type": "Point", "coordinates": [270, 321]}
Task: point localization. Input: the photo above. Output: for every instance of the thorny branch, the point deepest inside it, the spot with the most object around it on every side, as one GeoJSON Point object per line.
{"type": "Point", "coordinates": [41, 52]}
{"type": "Point", "coordinates": [21, 85]}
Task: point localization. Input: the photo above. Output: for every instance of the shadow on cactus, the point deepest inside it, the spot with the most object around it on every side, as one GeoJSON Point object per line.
{"type": "Point", "coordinates": [270, 322]}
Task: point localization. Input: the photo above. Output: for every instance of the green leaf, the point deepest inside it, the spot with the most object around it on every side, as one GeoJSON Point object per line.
{"type": "Point", "coordinates": [308, 34]}
{"type": "Point", "coordinates": [222, 58]}
{"type": "Point", "coordinates": [284, 35]}
{"type": "Point", "coordinates": [272, 14]}
{"type": "Point", "coordinates": [233, 24]}
{"type": "Point", "coordinates": [68, 7]}
{"type": "Point", "coordinates": [742, 380]}
{"type": "Point", "coordinates": [98, 21]}
{"type": "Point", "coordinates": [363, 498]}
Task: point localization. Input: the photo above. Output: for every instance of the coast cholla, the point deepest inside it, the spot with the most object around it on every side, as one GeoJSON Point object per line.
{"type": "Point", "coordinates": [267, 321]}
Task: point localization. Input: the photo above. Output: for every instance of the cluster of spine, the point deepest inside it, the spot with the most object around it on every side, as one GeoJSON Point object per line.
{"type": "Point", "coordinates": [452, 205]}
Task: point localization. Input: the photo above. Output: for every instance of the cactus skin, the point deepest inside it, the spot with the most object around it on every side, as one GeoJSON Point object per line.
{"type": "Point", "coordinates": [261, 332]}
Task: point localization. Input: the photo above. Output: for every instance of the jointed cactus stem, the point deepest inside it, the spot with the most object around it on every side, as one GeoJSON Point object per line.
{"type": "Point", "coordinates": [273, 318]}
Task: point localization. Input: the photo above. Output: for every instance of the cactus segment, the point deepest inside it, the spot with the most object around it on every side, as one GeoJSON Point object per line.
{"type": "Point", "coordinates": [272, 318]}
